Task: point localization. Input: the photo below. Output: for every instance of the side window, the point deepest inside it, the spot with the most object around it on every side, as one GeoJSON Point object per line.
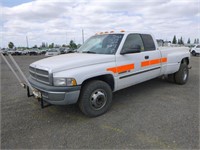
{"type": "Point", "coordinates": [198, 46]}
{"type": "Point", "coordinates": [133, 41]}
{"type": "Point", "coordinates": [148, 42]}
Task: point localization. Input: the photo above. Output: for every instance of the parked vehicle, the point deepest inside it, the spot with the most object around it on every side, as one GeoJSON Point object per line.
{"type": "Point", "coordinates": [52, 52]}
{"type": "Point", "coordinates": [39, 52]}
{"type": "Point", "coordinates": [195, 50]}
{"type": "Point", "coordinates": [25, 52]}
{"type": "Point", "coordinates": [62, 50]}
{"type": "Point", "coordinates": [1, 51]}
{"type": "Point", "coordinates": [65, 50]}
{"type": "Point", "coordinates": [12, 52]}
{"type": "Point", "coordinates": [17, 52]}
{"type": "Point", "coordinates": [4, 52]}
{"type": "Point", "coordinates": [106, 63]}
{"type": "Point", "coordinates": [33, 52]}
{"type": "Point", "coordinates": [68, 50]}
{"type": "Point", "coordinates": [43, 52]}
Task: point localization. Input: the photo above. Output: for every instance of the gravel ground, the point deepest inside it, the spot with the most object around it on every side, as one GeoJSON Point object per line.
{"type": "Point", "coordinates": [151, 115]}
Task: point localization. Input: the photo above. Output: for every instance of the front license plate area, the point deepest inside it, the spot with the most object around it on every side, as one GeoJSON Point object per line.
{"type": "Point", "coordinates": [37, 94]}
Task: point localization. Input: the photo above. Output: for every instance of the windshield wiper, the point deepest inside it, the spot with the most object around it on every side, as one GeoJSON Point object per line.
{"type": "Point", "coordinates": [91, 52]}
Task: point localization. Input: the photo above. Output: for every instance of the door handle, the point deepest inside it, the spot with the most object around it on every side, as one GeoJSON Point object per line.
{"type": "Point", "coordinates": [146, 57]}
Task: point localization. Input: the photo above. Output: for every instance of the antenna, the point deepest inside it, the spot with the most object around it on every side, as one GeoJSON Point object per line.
{"type": "Point", "coordinates": [27, 41]}
{"type": "Point", "coordinates": [82, 35]}
{"type": "Point", "coordinates": [66, 37]}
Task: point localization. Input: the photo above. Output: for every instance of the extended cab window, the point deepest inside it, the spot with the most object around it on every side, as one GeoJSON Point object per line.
{"type": "Point", "coordinates": [133, 42]}
{"type": "Point", "coordinates": [148, 42]}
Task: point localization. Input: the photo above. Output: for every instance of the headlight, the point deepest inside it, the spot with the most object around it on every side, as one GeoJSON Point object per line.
{"type": "Point", "coordinates": [64, 82]}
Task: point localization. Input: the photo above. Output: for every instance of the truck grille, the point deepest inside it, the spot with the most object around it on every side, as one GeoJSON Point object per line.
{"type": "Point", "coordinates": [39, 75]}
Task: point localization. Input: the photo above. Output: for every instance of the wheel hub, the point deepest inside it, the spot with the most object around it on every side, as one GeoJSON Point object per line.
{"type": "Point", "coordinates": [185, 74]}
{"type": "Point", "coordinates": [98, 99]}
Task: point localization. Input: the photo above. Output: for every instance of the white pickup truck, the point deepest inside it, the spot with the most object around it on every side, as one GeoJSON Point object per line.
{"type": "Point", "coordinates": [195, 50]}
{"type": "Point", "coordinates": [105, 63]}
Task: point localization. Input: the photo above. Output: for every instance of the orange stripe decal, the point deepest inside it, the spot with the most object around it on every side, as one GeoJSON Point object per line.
{"type": "Point", "coordinates": [145, 63]}
{"type": "Point", "coordinates": [163, 59]}
{"type": "Point", "coordinates": [125, 68]}
{"type": "Point", "coordinates": [120, 69]}
{"type": "Point", "coordinates": [114, 70]}
{"type": "Point", "coordinates": [153, 62]}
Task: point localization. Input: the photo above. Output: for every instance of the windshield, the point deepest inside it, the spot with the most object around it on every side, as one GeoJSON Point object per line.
{"type": "Point", "coordinates": [102, 44]}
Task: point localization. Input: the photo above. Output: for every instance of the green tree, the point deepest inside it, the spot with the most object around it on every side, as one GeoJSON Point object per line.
{"type": "Point", "coordinates": [51, 45]}
{"type": "Point", "coordinates": [198, 41]}
{"type": "Point", "coordinates": [64, 45]}
{"type": "Point", "coordinates": [43, 45]}
{"type": "Point", "coordinates": [72, 45]}
{"type": "Point", "coordinates": [188, 42]}
{"type": "Point", "coordinates": [195, 41]}
{"type": "Point", "coordinates": [174, 41]}
{"type": "Point", "coordinates": [10, 45]}
{"type": "Point", "coordinates": [181, 41]}
{"type": "Point", "coordinates": [35, 46]}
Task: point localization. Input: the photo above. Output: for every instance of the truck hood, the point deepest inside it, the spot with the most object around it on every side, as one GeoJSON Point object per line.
{"type": "Point", "coordinates": [71, 61]}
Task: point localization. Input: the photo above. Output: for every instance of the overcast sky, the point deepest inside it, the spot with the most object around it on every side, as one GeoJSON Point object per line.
{"type": "Point", "coordinates": [59, 21]}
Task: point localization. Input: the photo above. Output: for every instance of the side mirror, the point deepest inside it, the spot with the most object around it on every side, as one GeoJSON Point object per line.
{"type": "Point", "coordinates": [136, 49]}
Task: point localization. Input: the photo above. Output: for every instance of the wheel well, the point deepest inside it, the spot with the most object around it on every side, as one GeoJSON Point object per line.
{"type": "Point", "coordinates": [185, 60]}
{"type": "Point", "coordinates": [108, 78]}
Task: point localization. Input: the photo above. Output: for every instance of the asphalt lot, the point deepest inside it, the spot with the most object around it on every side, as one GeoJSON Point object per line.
{"type": "Point", "coordinates": [152, 115]}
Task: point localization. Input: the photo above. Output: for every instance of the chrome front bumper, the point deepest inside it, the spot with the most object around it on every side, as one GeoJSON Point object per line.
{"type": "Point", "coordinates": [56, 95]}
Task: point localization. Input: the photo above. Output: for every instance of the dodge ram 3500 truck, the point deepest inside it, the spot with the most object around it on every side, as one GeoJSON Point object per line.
{"type": "Point", "coordinates": [105, 63]}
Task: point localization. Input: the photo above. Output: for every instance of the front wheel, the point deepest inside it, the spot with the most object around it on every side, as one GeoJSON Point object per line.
{"type": "Point", "coordinates": [95, 98]}
{"type": "Point", "coordinates": [182, 75]}
{"type": "Point", "coordinates": [194, 53]}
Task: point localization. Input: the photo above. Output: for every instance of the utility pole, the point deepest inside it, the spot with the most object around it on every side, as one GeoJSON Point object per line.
{"type": "Point", "coordinates": [66, 38]}
{"type": "Point", "coordinates": [82, 35]}
{"type": "Point", "coordinates": [27, 41]}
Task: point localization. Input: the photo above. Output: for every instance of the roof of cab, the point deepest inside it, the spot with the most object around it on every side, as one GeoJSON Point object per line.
{"type": "Point", "coordinates": [122, 32]}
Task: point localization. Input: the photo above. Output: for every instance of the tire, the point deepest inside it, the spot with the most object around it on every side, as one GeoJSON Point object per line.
{"type": "Point", "coordinates": [194, 53]}
{"type": "Point", "coordinates": [171, 78]}
{"type": "Point", "coordinates": [182, 75]}
{"type": "Point", "coordinates": [95, 98]}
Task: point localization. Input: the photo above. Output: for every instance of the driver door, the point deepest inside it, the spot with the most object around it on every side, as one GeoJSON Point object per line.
{"type": "Point", "coordinates": [133, 68]}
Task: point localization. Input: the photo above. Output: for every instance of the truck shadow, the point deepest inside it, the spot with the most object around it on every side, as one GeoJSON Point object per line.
{"type": "Point", "coordinates": [123, 97]}
{"type": "Point", "coordinates": [135, 92]}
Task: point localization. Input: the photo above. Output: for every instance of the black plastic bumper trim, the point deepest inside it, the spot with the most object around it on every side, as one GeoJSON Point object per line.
{"type": "Point", "coordinates": [139, 72]}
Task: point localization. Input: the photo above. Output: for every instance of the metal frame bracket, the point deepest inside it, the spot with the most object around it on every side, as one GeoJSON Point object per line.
{"type": "Point", "coordinates": [25, 85]}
